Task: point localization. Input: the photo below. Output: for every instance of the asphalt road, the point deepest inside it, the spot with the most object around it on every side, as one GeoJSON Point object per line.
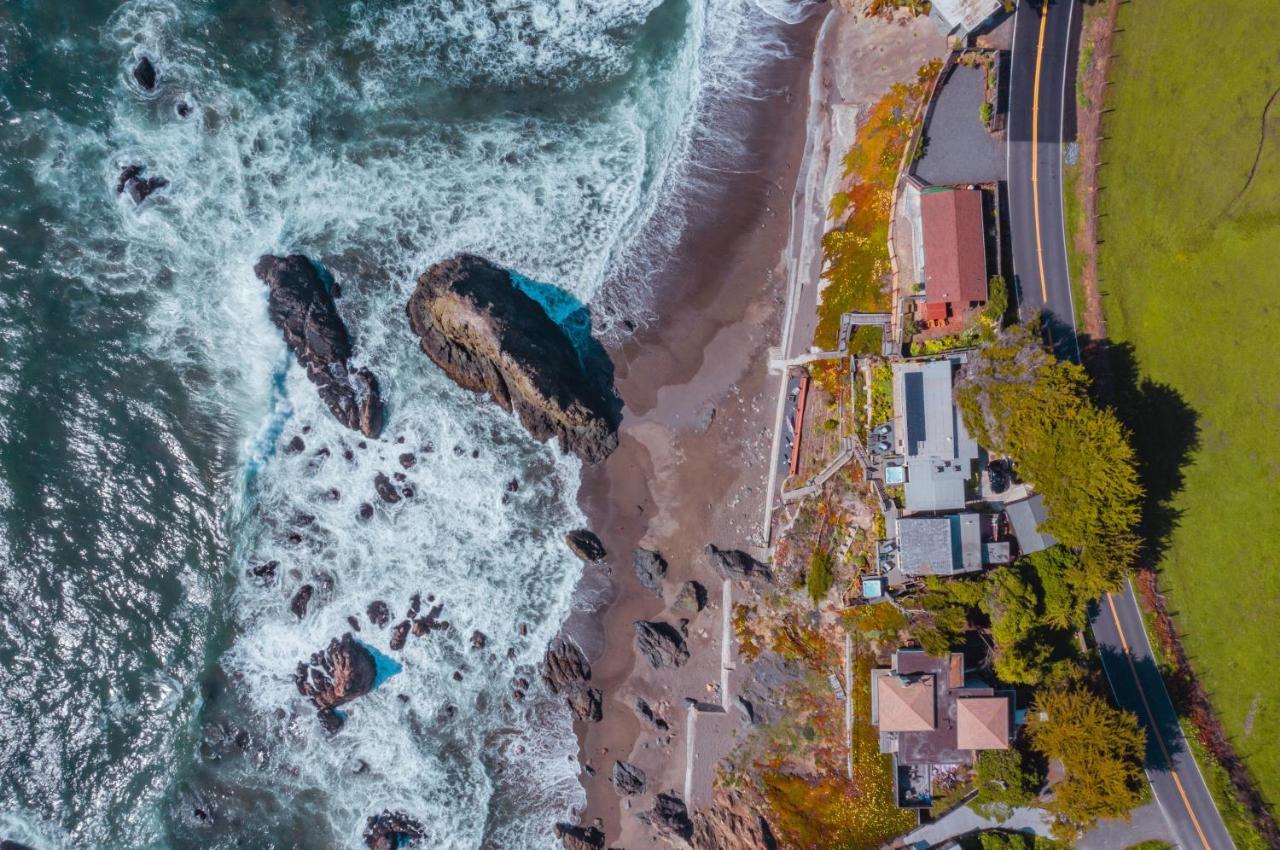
{"type": "Point", "coordinates": [1041, 122]}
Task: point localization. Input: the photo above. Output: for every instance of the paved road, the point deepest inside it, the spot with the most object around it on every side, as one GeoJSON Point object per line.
{"type": "Point", "coordinates": [1041, 119]}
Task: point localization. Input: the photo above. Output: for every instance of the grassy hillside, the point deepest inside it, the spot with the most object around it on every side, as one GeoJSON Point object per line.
{"type": "Point", "coordinates": [1189, 268]}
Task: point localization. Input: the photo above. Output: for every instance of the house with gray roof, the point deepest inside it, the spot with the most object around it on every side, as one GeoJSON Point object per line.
{"type": "Point", "coordinates": [1026, 517]}
{"type": "Point", "coordinates": [958, 18]}
{"type": "Point", "coordinates": [938, 453]}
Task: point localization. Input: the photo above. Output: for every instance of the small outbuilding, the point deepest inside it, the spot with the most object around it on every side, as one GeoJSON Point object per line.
{"type": "Point", "coordinates": [1026, 517]}
{"type": "Point", "coordinates": [958, 18]}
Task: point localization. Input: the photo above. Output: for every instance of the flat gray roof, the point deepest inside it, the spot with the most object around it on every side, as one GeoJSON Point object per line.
{"type": "Point", "coordinates": [961, 16]}
{"type": "Point", "coordinates": [939, 546]}
{"type": "Point", "coordinates": [930, 434]}
{"type": "Point", "coordinates": [1026, 517]}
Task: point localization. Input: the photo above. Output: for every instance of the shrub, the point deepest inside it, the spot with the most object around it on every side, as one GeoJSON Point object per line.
{"type": "Point", "coordinates": [984, 112]}
{"type": "Point", "coordinates": [1005, 780]}
{"type": "Point", "coordinates": [831, 424]}
{"type": "Point", "coordinates": [821, 575]}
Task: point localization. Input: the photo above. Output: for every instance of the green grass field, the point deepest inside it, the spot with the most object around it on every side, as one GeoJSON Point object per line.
{"type": "Point", "coordinates": [1189, 269]}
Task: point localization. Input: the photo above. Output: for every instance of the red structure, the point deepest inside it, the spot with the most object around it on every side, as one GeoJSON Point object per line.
{"type": "Point", "coordinates": [955, 254]}
{"type": "Point", "coordinates": [801, 398]}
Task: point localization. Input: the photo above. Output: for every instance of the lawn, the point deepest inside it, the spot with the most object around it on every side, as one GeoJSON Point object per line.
{"type": "Point", "coordinates": [1189, 268]}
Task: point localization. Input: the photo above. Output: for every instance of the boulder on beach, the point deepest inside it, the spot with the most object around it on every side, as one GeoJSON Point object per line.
{"type": "Point", "coordinates": [391, 830]}
{"type": "Point", "coordinates": [488, 335]}
{"type": "Point", "coordinates": [661, 644]}
{"type": "Point", "coordinates": [650, 569]}
{"type": "Point", "coordinates": [139, 188]}
{"type": "Point", "coordinates": [691, 599]}
{"type": "Point", "coordinates": [628, 780]}
{"type": "Point", "coordinates": [584, 543]}
{"type": "Point", "coordinates": [737, 566]}
{"type": "Point", "coordinates": [580, 837]}
{"type": "Point", "coordinates": [649, 717]}
{"type": "Point", "coordinates": [566, 673]}
{"type": "Point", "coordinates": [301, 306]}
{"type": "Point", "coordinates": [670, 818]}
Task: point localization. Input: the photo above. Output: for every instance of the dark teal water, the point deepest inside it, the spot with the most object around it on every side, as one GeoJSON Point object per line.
{"type": "Point", "coordinates": [146, 697]}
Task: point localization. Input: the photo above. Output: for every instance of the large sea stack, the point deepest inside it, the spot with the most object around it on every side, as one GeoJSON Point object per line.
{"type": "Point", "coordinates": [301, 306]}
{"type": "Point", "coordinates": [489, 335]}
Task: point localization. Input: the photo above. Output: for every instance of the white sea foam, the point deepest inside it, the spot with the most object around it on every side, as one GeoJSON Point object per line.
{"type": "Point", "coordinates": [379, 172]}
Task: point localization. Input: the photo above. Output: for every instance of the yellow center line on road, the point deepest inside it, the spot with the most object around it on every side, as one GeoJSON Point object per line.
{"type": "Point", "coordinates": [1035, 146]}
{"type": "Point", "coordinates": [1159, 740]}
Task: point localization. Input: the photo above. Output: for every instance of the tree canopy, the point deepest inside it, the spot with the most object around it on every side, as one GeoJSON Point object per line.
{"type": "Point", "coordinates": [1018, 400]}
{"type": "Point", "coordinates": [1005, 780]}
{"type": "Point", "coordinates": [1101, 751]}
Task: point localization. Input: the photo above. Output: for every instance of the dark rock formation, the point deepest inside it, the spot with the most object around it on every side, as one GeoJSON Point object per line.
{"type": "Point", "coordinates": [386, 490]}
{"type": "Point", "coordinates": [488, 335]}
{"type": "Point", "coordinates": [295, 446]}
{"type": "Point", "coordinates": [580, 837]}
{"type": "Point", "coordinates": [335, 676]}
{"type": "Point", "coordinates": [730, 824]}
{"type": "Point", "coordinates": [650, 569]}
{"type": "Point", "coordinates": [661, 644]}
{"type": "Point", "coordinates": [670, 818]}
{"type": "Point", "coordinates": [479, 640]}
{"type": "Point", "coordinates": [566, 673]}
{"type": "Point", "coordinates": [400, 634]}
{"type": "Point", "coordinates": [407, 460]}
{"type": "Point", "coordinates": [737, 566]}
{"type": "Point", "coordinates": [585, 545]}
{"type": "Point", "coordinates": [265, 573]}
{"type": "Point", "coordinates": [692, 598]}
{"type": "Point", "coordinates": [138, 187]}
{"type": "Point", "coordinates": [144, 72]}
{"type": "Point", "coordinates": [649, 717]}
{"type": "Point", "coordinates": [298, 605]}
{"type": "Point", "coordinates": [379, 613]}
{"type": "Point", "coordinates": [13, 845]}
{"type": "Point", "coordinates": [300, 305]}
{"type": "Point", "coordinates": [628, 780]}
{"type": "Point", "coordinates": [391, 830]}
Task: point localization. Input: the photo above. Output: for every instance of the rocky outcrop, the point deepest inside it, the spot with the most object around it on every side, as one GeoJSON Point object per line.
{"type": "Point", "coordinates": [649, 717]}
{"type": "Point", "coordinates": [650, 569]}
{"type": "Point", "coordinates": [730, 824]}
{"type": "Point", "coordinates": [586, 545]}
{"type": "Point", "coordinates": [691, 599]}
{"type": "Point", "coordinates": [670, 819]}
{"type": "Point", "coordinates": [335, 676]}
{"type": "Point", "coordinates": [378, 612]}
{"type": "Point", "coordinates": [391, 830]}
{"type": "Point", "coordinates": [737, 566]}
{"type": "Point", "coordinates": [488, 335]}
{"type": "Point", "coordinates": [628, 780]}
{"type": "Point", "coordinates": [580, 837]}
{"type": "Point", "coordinates": [301, 306]}
{"type": "Point", "coordinates": [139, 188]}
{"type": "Point", "coordinates": [567, 673]}
{"type": "Point", "coordinates": [661, 644]}
{"type": "Point", "coordinates": [301, 599]}
{"type": "Point", "coordinates": [144, 73]}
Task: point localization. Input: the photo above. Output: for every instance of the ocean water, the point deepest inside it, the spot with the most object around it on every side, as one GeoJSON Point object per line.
{"type": "Point", "coordinates": [146, 693]}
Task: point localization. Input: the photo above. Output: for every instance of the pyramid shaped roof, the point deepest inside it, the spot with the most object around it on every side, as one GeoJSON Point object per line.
{"type": "Point", "coordinates": [982, 723]}
{"type": "Point", "coordinates": [906, 705]}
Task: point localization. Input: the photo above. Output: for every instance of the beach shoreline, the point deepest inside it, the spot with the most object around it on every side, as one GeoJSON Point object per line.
{"type": "Point", "coordinates": [692, 459]}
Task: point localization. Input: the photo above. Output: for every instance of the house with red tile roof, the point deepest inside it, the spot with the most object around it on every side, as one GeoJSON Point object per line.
{"type": "Point", "coordinates": [955, 254]}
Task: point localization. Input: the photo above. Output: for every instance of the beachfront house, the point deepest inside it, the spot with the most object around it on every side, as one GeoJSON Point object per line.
{"type": "Point", "coordinates": [955, 254]}
{"type": "Point", "coordinates": [958, 18]}
{"type": "Point", "coordinates": [947, 545]}
{"type": "Point", "coordinates": [931, 716]}
{"type": "Point", "coordinates": [938, 455]}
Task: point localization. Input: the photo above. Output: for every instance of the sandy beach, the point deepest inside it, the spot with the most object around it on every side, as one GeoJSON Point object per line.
{"type": "Point", "coordinates": [693, 459]}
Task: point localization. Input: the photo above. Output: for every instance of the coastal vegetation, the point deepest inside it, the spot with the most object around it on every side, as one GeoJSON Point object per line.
{"type": "Point", "coordinates": [1005, 780]}
{"type": "Point", "coordinates": [1187, 240]}
{"type": "Point", "coordinates": [856, 250]}
{"type": "Point", "coordinates": [1018, 400]}
{"type": "Point", "coordinates": [1100, 748]}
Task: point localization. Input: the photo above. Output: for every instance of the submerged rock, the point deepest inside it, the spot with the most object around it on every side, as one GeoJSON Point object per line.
{"type": "Point", "coordinates": [737, 566]}
{"type": "Point", "coordinates": [298, 605]}
{"type": "Point", "coordinates": [661, 644]}
{"type": "Point", "coordinates": [144, 73]}
{"type": "Point", "coordinates": [386, 490]}
{"type": "Point", "coordinates": [586, 545]}
{"type": "Point", "coordinates": [650, 569]}
{"type": "Point", "coordinates": [378, 612]}
{"type": "Point", "coordinates": [488, 335]}
{"type": "Point", "coordinates": [301, 306]}
{"type": "Point", "coordinates": [335, 676]}
{"type": "Point", "coordinates": [391, 830]}
{"type": "Point", "coordinates": [400, 634]}
{"type": "Point", "coordinates": [139, 188]}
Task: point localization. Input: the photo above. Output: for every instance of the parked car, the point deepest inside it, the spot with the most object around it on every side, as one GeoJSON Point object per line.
{"type": "Point", "coordinates": [883, 430]}
{"type": "Point", "coordinates": [1000, 476]}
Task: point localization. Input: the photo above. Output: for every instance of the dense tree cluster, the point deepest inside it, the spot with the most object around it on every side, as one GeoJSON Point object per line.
{"type": "Point", "coordinates": [1018, 400]}
{"type": "Point", "coordinates": [1005, 780]}
{"type": "Point", "coordinates": [1101, 750]}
